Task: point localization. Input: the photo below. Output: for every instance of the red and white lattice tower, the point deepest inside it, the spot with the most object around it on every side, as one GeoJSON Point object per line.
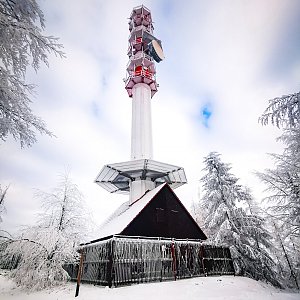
{"type": "Point", "coordinates": [142, 173]}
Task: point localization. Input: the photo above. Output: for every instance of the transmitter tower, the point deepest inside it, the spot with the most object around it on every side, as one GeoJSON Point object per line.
{"type": "Point", "coordinates": [141, 174]}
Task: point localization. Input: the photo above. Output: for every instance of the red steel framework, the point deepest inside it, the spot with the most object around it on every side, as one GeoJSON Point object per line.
{"type": "Point", "coordinates": [141, 66]}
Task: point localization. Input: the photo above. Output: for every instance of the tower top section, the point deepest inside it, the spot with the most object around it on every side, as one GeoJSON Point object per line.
{"type": "Point", "coordinates": [143, 49]}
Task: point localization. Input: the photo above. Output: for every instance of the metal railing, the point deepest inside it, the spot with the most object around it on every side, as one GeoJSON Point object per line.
{"type": "Point", "coordinates": [137, 56]}
{"type": "Point", "coordinates": [141, 73]}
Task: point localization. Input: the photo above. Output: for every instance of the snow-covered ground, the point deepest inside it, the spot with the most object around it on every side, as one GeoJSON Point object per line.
{"type": "Point", "coordinates": [208, 288]}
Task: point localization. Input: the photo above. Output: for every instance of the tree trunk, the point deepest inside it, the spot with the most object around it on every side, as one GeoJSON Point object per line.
{"type": "Point", "coordinates": [286, 257]}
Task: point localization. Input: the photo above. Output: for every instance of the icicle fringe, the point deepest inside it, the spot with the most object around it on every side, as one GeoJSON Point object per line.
{"type": "Point", "coordinates": [127, 260]}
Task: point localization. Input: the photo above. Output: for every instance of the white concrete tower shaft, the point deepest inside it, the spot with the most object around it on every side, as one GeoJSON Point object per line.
{"type": "Point", "coordinates": [141, 136]}
{"type": "Point", "coordinates": [141, 129]}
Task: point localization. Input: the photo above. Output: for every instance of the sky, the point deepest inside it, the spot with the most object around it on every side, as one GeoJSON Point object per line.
{"type": "Point", "coordinates": [224, 61]}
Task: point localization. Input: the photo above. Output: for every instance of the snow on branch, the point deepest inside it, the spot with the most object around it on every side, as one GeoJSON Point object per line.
{"type": "Point", "coordinates": [282, 111]}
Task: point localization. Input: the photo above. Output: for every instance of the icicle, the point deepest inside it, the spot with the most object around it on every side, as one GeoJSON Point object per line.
{"type": "Point", "coordinates": [137, 260]}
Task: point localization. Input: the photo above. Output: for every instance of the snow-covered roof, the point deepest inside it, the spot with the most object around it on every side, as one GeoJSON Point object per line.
{"type": "Point", "coordinates": [122, 217]}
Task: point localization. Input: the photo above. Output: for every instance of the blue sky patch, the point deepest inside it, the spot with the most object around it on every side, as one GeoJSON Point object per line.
{"type": "Point", "coordinates": [167, 8]}
{"type": "Point", "coordinates": [206, 112]}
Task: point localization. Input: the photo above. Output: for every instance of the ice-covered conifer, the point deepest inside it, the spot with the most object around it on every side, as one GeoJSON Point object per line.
{"type": "Point", "coordinates": [283, 183]}
{"type": "Point", "coordinates": [227, 223]}
{"type": "Point", "coordinates": [22, 45]}
{"type": "Point", "coordinates": [3, 192]}
{"type": "Point", "coordinates": [284, 111]}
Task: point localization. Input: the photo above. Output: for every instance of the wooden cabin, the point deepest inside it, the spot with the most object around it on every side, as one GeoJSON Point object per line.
{"type": "Point", "coordinates": [153, 239]}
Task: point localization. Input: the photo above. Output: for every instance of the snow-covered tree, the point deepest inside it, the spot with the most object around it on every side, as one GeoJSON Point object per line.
{"type": "Point", "coordinates": [287, 256]}
{"type": "Point", "coordinates": [283, 187]}
{"type": "Point", "coordinates": [42, 250]}
{"type": "Point", "coordinates": [197, 213]}
{"type": "Point", "coordinates": [283, 182]}
{"type": "Point", "coordinates": [284, 112]}
{"type": "Point", "coordinates": [22, 45]}
{"type": "Point", "coordinates": [227, 223]}
{"type": "Point", "coordinates": [64, 209]}
{"type": "Point", "coordinates": [3, 192]}
{"type": "Point", "coordinates": [3, 233]}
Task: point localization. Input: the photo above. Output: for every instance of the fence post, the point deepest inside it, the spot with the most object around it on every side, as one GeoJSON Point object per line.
{"type": "Point", "coordinates": [110, 262]}
{"type": "Point", "coordinates": [202, 259]}
{"type": "Point", "coordinates": [80, 268]}
{"type": "Point", "coordinates": [174, 260]}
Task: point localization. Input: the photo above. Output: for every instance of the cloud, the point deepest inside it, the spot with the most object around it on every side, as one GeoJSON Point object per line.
{"type": "Point", "coordinates": [284, 59]}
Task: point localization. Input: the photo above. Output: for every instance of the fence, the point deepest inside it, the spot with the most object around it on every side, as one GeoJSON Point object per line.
{"type": "Point", "coordinates": [126, 260]}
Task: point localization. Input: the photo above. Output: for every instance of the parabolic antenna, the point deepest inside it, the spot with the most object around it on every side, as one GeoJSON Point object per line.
{"type": "Point", "coordinates": [156, 51]}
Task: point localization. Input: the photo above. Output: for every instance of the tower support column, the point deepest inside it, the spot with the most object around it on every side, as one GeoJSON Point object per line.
{"type": "Point", "coordinates": [138, 188]}
{"type": "Point", "coordinates": [141, 130]}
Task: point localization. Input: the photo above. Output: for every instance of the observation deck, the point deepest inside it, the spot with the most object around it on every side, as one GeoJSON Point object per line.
{"type": "Point", "coordinates": [116, 177]}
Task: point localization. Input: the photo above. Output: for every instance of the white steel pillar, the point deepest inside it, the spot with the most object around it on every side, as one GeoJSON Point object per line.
{"type": "Point", "coordinates": [141, 136]}
{"type": "Point", "coordinates": [141, 130]}
{"type": "Point", "coordinates": [138, 188]}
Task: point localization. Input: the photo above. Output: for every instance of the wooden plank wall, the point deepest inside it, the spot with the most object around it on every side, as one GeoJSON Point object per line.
{"type": "Point", "coordinates": [126, 260]}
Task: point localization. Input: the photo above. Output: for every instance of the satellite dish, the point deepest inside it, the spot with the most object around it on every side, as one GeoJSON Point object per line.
{"type": "Point", "coordinates": [156, 51]}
